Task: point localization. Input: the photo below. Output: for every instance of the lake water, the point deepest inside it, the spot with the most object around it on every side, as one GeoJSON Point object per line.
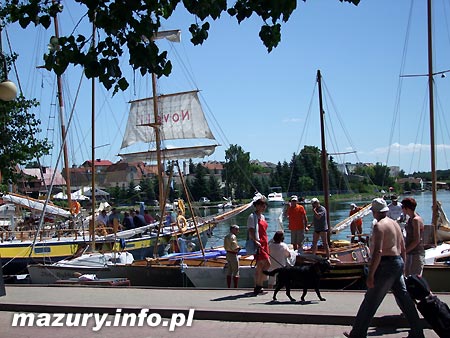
{"type": "Point", "coordinates": [338, 212]}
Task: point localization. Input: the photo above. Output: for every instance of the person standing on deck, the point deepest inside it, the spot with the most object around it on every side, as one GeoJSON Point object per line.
{"type": "Point", "coordinates": [385, 274]}
{"type": "Point", "coordinates": [320, 225]}
{"type": "Point", "coordinates": [257, 219]}
{"type": "Point", "coordinates": [395, 209]}
{"type": "Point", "coordinates": [232, 248]}
{"type": "Point", "coordinates": [297, 221]}
{"type": "Point", "coordinates": [415, 251]}
{"type": "Point", "coordinates": [356, 225]}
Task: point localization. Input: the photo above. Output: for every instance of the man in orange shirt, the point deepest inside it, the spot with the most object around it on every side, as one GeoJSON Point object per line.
{"type": "Point", "coordinates": [297, 221]}
{"type": "Point", "coordinates": [356, 225]}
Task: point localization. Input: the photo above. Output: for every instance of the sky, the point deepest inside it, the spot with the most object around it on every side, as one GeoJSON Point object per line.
{"type": "Point", "coordinates": [267, 103]}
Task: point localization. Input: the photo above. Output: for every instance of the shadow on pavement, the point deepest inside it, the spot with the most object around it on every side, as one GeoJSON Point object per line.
{"type": "Point", "coordinates": [234, 297]}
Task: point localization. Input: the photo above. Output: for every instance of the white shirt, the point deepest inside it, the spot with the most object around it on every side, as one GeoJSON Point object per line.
{"type": "Point", "coordinates": [395, 211]}
{"type": "Point", "coordinates": [279, 253]}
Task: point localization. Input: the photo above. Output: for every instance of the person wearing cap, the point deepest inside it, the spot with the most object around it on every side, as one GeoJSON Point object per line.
{"type": "Point", "coordinates": [232, 248]}
{"type": "Point", "coordinates": [395, 209]}
{"type": "Point", "coordinates": [385, 274]}
{"type": "Point", "coordinates": [356, 225]}
{"type": "Point", "coordinates": [320, 225]}
{"type": "Point", "coordinates": [257, 231]}
{"type": "Point", "coordinates": [298, 220]}
{"type": "Point", "coordinates": [415, 251]}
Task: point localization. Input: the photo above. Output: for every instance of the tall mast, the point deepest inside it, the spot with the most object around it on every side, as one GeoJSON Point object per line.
{"type": "Point", "coordinates": [63, 127]}
{"type": "Point", "coordinates": [156, 126]}
{"type": "Point", "coordinates": [93, 149]}
{"type": "Point", "coordinates": [431, 103]}
{"type": "Point", "coordinates": [162, 199]}
{"type": "Point", "coordinates": [324, 155]}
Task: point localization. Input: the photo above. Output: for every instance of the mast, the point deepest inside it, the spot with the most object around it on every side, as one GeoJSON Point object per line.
{"type": "Point", "coordinates": [431, 103]}
{"type": "Point", "coordinates": [93, 149]}
{"type": "Point", "coordinates": [324, 156]}
{"type": "Point", "coordinates": [63, 127]}
{"type": "Point", "coordinates": [162, 201]}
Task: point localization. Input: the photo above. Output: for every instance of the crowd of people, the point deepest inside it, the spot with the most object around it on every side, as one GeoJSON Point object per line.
{"type": "Point", "coordinates": [275, 253]}
{"type": "Point", "coordinates": [395, 252]}
{"type": "Point", "coordinates": [131, 219]}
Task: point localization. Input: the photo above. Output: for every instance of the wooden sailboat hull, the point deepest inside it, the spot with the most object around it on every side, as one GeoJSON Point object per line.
{"type": "Point", "coordinates": [15, 255]}
{"type": "Point", "coordinates": [438, 277]}
{"type": "Point", "coordinates": [138, 275]}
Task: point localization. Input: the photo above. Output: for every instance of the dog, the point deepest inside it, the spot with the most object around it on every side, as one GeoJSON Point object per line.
{"type": "Point", "coordinates": [307, 276]}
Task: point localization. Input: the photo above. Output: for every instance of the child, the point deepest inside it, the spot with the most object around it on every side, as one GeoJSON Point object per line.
{"type": "Point", "coordinates": [231, 245]}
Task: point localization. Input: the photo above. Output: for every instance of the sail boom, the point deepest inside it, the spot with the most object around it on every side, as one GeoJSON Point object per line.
{"type": "Point", "coordinates": [167, 154]}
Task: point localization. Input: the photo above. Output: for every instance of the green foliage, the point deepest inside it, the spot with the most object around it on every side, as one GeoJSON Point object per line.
{"type": "Point", "coordinates": [237, 171]}
{"type": "Point", "coordinates": [17, 137]}
{"type": "Point", "coordinates": [214, 190]}
{"type": "Point", "coordinates": [199, 185]}
{"type": "Point", "coordinates": [123, 24]}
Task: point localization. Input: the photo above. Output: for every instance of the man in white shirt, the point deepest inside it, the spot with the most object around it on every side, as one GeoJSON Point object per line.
{"type": "Point", "coordinates": [395, 209]}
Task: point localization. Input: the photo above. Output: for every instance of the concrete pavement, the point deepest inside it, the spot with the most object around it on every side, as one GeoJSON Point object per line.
{"type": "Point", "coordinates": [218, 312]}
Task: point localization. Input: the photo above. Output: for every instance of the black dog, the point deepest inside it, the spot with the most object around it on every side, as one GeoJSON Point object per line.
{"type": "Point", "coordinates": [307, 276]}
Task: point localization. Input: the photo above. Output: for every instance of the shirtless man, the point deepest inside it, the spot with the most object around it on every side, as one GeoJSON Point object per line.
{"type": "Point", "coordinates": [385, 274]}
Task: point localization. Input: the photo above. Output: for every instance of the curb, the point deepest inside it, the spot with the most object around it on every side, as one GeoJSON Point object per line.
{"type": "Point", "coordinates": [232, 316]}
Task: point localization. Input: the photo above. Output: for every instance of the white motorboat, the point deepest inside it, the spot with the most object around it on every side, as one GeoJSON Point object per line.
{"type": "Point", "coordinates": [275, 197]}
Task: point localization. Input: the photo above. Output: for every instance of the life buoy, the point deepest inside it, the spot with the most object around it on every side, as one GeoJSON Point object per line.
{"type": "Point", "coordinates": [181, 206]}
{"type": "Point", "coordinates": [364, 253]}
{"type": "Point", "coordinates": [75, 208]}
{"type": "Point", "coordinates": [182, 223]}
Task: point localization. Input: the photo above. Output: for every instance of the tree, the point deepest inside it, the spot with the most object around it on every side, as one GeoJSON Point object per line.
{"type": "Point", "coordinates": [147, 189]}
{"type": "Point", "coordinates": [215, 193]}
{"type": "Point", "coordinates": [132, 24]}
{"type": "Point", "coordinates": [17, 137]}
{"type": "Point", "coordinates": [238, 171]}
{"type": "Point", "coordinates": [199, 185]}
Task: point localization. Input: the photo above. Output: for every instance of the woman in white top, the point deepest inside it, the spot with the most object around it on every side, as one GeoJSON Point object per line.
{"type": "Point", "coordinates": [279, 252]}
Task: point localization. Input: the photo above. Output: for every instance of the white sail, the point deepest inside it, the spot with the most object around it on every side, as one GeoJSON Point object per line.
{"type": "Point", "coordinates": [180, 117]}
{"type": "Point", "coordinates": [35, 205]}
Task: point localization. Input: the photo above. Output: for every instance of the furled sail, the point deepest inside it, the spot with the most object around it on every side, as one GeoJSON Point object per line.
{"type": "Point", "coordinates": [35, 204]}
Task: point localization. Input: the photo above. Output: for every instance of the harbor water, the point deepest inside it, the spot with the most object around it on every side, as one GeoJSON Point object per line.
{"type": "Point", "coordinates": [338, 212]}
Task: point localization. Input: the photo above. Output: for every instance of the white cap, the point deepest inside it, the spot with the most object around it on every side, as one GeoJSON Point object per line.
{"type": "Point", "coordinates": [353, 205]}
{"type": "Point", "coordinates": [379, 205]}
{"type": "Point", "coordinates": [234, 226]}
{"type": "Point", "coordinates": [294, 198]}
{"type": "Point", "coordinates": [314, 200]}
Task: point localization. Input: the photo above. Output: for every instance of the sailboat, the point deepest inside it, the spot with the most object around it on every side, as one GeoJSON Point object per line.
{"type": "Point", "coordinates": [152, 121]}
{"type": "Point", "coordinates": [53, 240]}
{"type": "Point", "coordinates": [437, 274]}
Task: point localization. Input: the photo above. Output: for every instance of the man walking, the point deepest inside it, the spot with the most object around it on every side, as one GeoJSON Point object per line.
{"type": "Point", "coordinates": [385, 274]}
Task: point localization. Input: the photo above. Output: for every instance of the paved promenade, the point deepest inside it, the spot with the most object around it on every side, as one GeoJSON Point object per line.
{"type": "Point", "coordinates": [218, 313]}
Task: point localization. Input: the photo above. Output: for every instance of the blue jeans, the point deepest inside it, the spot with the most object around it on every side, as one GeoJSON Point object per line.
{"type": "Point", "coordinates": [389, 276]}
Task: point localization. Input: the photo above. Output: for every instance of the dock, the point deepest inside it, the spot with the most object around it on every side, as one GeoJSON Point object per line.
{"type": "Point", "coordinates": [222, 310]}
